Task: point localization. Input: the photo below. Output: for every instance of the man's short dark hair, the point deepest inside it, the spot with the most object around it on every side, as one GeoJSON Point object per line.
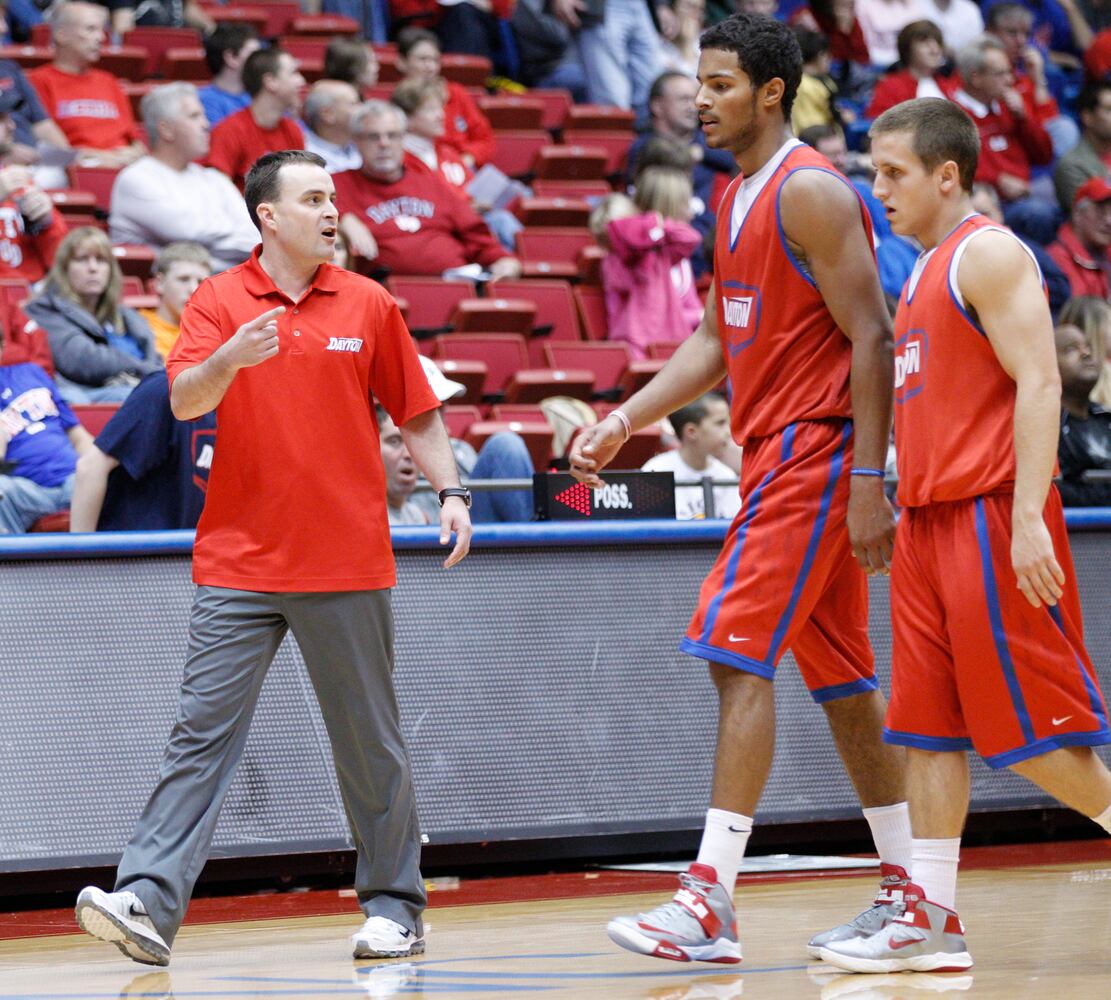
{"type": "Point", "coordinates": [226, 37]}
{"type": "Point", "coordinates": [916, 31]}
{"type": "Point", "coordinates": [693, 413]}
{"type": "Point", "coordinates": [264, 182]}
{"type": "Point", "coordinates": [657, 88]}
{"type": "Point", "coordinates": [1088, 98]}
{"type": "Point", "coordinates": [409, 38]}
{"type": "Point", "coordinates": [260, 64]}
{"type": "Point", "coordinates": [813, 134]}
{"type": "Point", "coordinates": [811, 43]}
{"type": "Point", "coordinates": [940, 130]}
{"type": "Point", "coordinates": [765, 49]}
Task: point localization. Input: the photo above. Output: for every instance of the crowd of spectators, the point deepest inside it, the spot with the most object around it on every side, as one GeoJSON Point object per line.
{"type": "Point", "coordinates": [1035, 77]}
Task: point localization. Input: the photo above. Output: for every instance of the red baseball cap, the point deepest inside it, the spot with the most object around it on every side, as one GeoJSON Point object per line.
{"type": "Point", "coordinates": [1094, 189]}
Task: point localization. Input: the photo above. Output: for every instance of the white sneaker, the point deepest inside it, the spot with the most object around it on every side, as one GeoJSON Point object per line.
{"type": "Point", "coordinates": [381, 937]}
{"type": "Point", "coordinates": [121, 918]}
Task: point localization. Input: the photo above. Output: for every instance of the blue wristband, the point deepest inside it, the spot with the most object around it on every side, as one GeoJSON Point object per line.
{"type": "Point", "coordinates": [867, 472]}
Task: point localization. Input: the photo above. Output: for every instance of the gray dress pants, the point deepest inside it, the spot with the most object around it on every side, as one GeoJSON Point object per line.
{"type": "Point", "coordinates": [346, 639]}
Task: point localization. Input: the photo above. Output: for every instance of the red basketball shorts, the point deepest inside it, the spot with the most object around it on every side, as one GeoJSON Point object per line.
{"type": "Point", "coordinates": [786, 577]}
{"type": "Point", "coordinates": [974, 663]}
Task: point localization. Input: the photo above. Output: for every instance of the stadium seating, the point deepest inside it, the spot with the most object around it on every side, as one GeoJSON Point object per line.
{"type": "Point", "coordinates": [185, 64]}
{"type": "Point", "coordinates": [516, 152]}
{"type": "Point", "coordinates": [135, 93]}
{"type": "Point", "coordinates": [494, 315]}
{"type": "Point", "coordinates": [599, 117]}
{"type": "Point", "coordinates": [589, 263]}
{"type": "Point", "coordinates": [323, 25]}
{"type": "Point", "coordinates": [534, 384]}
{"type": "Point", "coordinates": [471, 71]}
{"type": "Point", "coordinates": [304, 46]}
{"type": "Point", "coordinates": [591, 303]}
{"type": "Point", "coordinates": [125, 62]}
{"type": "Point", "coordinates": [556, 244]}
{"type": "Point", "coordinates": [512, 112]}
{"type": "Point", "coordinates": [556, 316]}
{"type": "Point", "coordinates": [553, 211]}
{"type": "Point", "coordinates": [537, 436]}
{"type": "Point", "coordinates": [571, 163]}
{"type": "Point", "coordinates": [570, 189]}
{"type": "Point", "coordinates": [97, 181]}
{"type": "Point", "coordinates": [432, 301]}
{"type": "Point", "coordinates": [504, 354]}
{"type": "Point", "coordinates": [557, 102]}
{"type": "Point", "coordinates": [27, 56]}
{"type": "Point", "coordinates": [71, 202]}
{"type": "Point", "coordinates": [608, 361]}
{"type": "Point", "coordinates": [94, 416]}
{"type": "Point", "coordinates": [638, 374]}
{"type": "Point", "coordinates": [156, 42]}
{"type": "Point", "coordinates": [134, 260]}
{"type": "Point", "coordinates": [254, 17]}
{"type": "Point", "coordinates": [458, 418]}
{"type": "Point", "coordinates": [616, 145]}
{"type": "Point", "coordinates": [470, 374]}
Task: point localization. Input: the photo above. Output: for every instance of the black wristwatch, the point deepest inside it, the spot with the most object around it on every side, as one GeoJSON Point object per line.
{"type": "Point", "coordinates": [462, 492]}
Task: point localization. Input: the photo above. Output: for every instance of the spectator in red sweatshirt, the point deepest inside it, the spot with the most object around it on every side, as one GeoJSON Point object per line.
{"type": "Point", "coordinates": [1011, 139]}
{"type": "Point", "coordinates": [1082, 242]}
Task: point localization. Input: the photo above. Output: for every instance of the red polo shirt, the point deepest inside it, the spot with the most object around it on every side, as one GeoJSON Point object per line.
{"type": "Point", "coordinates": [297, 493]}
{"type": "Point", "coordinates": [239, 140]}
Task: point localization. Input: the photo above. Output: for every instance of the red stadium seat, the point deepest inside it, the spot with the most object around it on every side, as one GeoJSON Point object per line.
{"type": "Point", "coordinates": [591, 303]}
{"type": "Point", "coordinates": [640, 447]}
{"type": "Point", "coordinates": [73, 202]}
{"type": "Point", "coordinates": [557, 103]}
{"type": "Point", "coordinates": [512, 112]}
{"type": "Point", "coordinates": [571, 189]}
{"type": "Point", "coordinates": [459, 418]}
{"type": "Point", "coordinates": [534, 384]}
{"type": "Point", "coordinates": [324, 25]}
{"type": "Point", "coordinates": [97, 181]}
{"type": "Point", "coordinates": [136, 92]}
{"type": "Point", "coordinates": [556, 316]}
{"type": "Point", "coordinates": [144, 301]}
{"type": "Point", "coordinates": [134, 260]}
{"type": "Point", "coordinates": [388, 72]}
{"type": "Point", "coordinates": [156, 41]}
{"type": "Point", "coordinates": [79, 219]}
{"type": "Point", "coordinates": [279, 15]}
{"type": "Point", "coordinates": [589, 263]}
{"type": "Point", "coordinates": [616, 145]}
{"type": "Point", "coordinates": [94, 416]}
{"type": "Point", "coordinates": [304, 46]}
{"type": "Point", "coordinates": [494, 315]}
{"type": "Point", "coordinates": [537, 436]}
{"type": "Point", "coordinates": [639, 374]}
{"type": "Point", "coordinates": [574, 163]}
{"type": "Point", "coordinates": [312, 69]}
{"type": "Point", "coordinates": [27, 56]}
{"type": "Point", "coordinates": [559, 244]}
{"type": "Point", "coordinates": [607, 360]}
{"type": "Point", "coordinates": [471, 71]}
{"type": "Point", "coordinates": [503, 353]}
{"type": "Point", "coordinates": [185, 64]}
{"type": "Point", "coordinates": [470, 374]}
{"type": "Point", "coordinates": [600, 117]}
{"type": "Point", "coordinates": [432, 301]}
{"type": "Point", "coordinates": [526, 413]}
{"type": "Point", "coordinates": [255, 17]}
{"type": "Point", "coordinates": [132, 286]}
{"type": "Point", "coordinates": [515, 152]}
{"type": "Point", "coordinates": [553, 211]}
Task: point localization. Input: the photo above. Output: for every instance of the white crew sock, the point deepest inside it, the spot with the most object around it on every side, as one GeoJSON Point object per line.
{"type": "Point", "coordinates": [1104, 819]}
{"type": "Point", "coordinates": [891, 832]}
{"type": "Point", "coordinates": [723, 844]}
{"type": "Point", "coordinates": [933, 868]}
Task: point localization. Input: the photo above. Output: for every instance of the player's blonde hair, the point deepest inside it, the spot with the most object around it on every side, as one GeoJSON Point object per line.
{"type": "Point", "coordinates": [80, 241]}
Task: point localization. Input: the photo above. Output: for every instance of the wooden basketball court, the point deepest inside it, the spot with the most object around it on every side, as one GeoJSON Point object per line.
{"type": "Point", "coordinates": [1038, 929]}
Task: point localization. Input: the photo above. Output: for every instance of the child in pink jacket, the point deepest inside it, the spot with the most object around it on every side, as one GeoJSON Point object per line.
{"type": "Point", "coordinates": [646, 276]}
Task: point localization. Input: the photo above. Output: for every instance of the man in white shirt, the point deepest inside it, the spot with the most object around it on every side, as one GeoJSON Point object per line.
{"type": "Point", "coordinates": [702, 428]}
{"type": "Point", "coordinates": [166, 197]}
{"type": "Point", "coordinates": [327, 125]}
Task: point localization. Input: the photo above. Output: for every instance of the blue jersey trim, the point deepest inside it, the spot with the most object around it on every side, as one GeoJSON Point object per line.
{"type": "Point", "coordinates": [1099, 738]}
{"type": "Point", "coordinates": [795, 262]}
{"type": "Point", "coordinates": [847, 690]}
{"type": "Point", "coordinates": [1094, 698]}
{"type": "Point", "coordinates": [704, 651]}
{"type": "Point", "coordinates": [995, 615]}
{"type": "Point", "coordinates": [835, 466]}
{"type": "Point", "coordinates": [940, 744]}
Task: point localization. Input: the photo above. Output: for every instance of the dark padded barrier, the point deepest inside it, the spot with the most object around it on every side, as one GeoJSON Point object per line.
{"type": "Point", "coordinates": [541, 692]}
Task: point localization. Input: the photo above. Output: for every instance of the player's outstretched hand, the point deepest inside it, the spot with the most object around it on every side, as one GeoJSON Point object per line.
{"type": "Point", "coordinates": [255, 341]}
{"type": "Point", "coordinates": [1040, 577]}
{"type": "Point", "coordinates": [871, 524]}
{"type": "Point", "coordinates": [594, 449]}
{"type": "Point", "coordinates": [455, 519]}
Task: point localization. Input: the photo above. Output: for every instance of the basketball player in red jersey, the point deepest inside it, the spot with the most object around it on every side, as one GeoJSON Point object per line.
{"type": "Point", "coordinates": [797, 322]}
{"type": "Point", "coordinates": [989, 650]}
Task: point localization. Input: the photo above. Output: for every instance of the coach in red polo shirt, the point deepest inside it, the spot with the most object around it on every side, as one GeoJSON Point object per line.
{"type": "Point", "coordinates": [409, 221]}
{"type": "Point", "coordinates": [288, 350]}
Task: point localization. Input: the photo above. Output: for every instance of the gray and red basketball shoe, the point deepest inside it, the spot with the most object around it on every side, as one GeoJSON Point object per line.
{"type": "Point", "coordinates": [926, 938]}
{"type": "Point", "coordinates": [887, 905]}
{"type": "Point", "coordinates": [697, 925]}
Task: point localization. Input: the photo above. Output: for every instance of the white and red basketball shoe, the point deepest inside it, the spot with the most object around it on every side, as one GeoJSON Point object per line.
{"type": "Point", "coordinates": [697, 925]}
{"type": "Point", "coordinates": [887, 905]}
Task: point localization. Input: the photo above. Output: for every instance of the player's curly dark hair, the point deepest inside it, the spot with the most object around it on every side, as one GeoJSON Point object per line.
{"type": "Point", "coordinates": [765, 49]}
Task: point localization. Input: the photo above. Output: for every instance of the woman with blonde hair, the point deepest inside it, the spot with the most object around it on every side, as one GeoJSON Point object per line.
{"type": "Point", "coordinates": [646, 276]}
{"type": "Point", "coordinates": [1093, 316]}
{"type": "Point", "coordinates": [101, 349]}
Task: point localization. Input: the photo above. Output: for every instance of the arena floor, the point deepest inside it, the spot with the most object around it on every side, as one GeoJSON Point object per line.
{"type": "Point", "coordinates": [1039, 923]}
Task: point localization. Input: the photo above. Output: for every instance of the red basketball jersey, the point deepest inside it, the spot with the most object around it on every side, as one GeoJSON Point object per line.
{"type": "Point", "coordinates": [954, 403]}
{"type": "Point", "coordinates": [787, 359]}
